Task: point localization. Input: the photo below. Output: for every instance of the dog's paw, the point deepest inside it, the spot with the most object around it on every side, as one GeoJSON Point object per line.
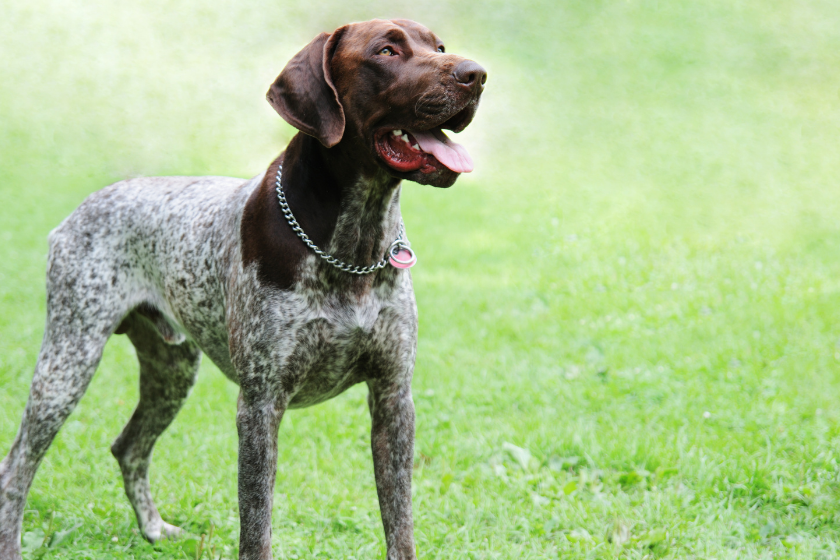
{"type": "Point", "coordinates": [171, 532]}
{"type": "Point", "coordinates": [162, 531]}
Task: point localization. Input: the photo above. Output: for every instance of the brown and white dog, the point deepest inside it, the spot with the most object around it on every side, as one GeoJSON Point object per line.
{"type": "Point", "coordinates": [185, 265]}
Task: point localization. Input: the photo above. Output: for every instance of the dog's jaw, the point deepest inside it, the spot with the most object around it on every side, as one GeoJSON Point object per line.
{"type": "Point", "coordinates": [418, 91]}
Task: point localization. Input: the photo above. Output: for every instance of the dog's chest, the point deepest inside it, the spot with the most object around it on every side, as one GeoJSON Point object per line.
{"type": "Point", "coordinates": [338, 344]}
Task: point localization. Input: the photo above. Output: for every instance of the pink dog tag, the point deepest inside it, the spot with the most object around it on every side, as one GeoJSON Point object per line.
{"type": "Point", "coordinates": [403, 258]}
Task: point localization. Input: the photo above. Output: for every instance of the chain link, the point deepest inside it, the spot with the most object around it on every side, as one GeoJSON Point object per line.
{"type": "Point", "coordinates": [399, 243]}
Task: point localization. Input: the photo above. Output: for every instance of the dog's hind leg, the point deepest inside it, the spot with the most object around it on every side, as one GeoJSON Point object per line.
{"type": "Point", "coordinates": [75, 335]}
{"type": "Point", "coordinates": [168, 369]}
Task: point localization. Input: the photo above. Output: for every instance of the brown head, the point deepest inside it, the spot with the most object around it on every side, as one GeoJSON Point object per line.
{"type": "Point", "coordinates": [361, 85]}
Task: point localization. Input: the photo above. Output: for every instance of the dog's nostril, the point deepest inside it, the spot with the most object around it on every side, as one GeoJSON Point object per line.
{"type": "Point", "coordinates": [469, 73]}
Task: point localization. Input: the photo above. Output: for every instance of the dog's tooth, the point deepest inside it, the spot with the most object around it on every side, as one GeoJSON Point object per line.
{"type": "Point", "coordinates": [416, 147]}
{"type": "Point", "coordinates": [405, 138]}
{"type": "Point", "coordinates": [396, 132]}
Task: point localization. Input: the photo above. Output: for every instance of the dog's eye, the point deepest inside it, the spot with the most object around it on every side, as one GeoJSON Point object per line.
{"type": "Point", "coordinates": [387, 51]}
{"type": "Point", "coordinates": [441, 49]}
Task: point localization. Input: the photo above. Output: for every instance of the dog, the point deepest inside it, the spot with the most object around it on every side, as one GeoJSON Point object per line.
{"type": "Point", "coordinates": [294, 283]}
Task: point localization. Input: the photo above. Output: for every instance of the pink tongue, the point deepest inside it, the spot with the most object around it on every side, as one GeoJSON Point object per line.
{"type": "Point", "coordinates": [452, 155]}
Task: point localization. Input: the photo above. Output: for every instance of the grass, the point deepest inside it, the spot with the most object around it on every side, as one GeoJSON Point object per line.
{"type": "Point", "coordinates": [629, 313]}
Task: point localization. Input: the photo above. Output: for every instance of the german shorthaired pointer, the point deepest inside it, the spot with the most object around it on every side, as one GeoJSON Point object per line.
{"type": "Point", "coordinates": [294, 283]}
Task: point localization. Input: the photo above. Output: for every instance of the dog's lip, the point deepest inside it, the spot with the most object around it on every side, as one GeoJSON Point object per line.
{"type": "Point", "coordinates": [455, 157]}
{"type": "Point", "coordinates": [420, 160]}
{"type": "Point", "coordinates": [461, 119]}
{"type": "Point", "coordinates": [408, 150]}
{"type": "Point", "coordinates": [458, 119]}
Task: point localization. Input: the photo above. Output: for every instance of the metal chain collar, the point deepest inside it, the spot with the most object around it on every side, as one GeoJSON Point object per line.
{"type": "Point", "coordinates": [398, 244]}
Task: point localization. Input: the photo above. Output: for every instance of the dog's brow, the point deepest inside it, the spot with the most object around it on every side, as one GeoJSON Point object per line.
{"type": "Point", "coordinates": [396, 35]}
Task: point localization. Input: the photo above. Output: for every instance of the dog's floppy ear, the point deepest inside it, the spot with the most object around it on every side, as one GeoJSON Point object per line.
{"type": "Point", "coordinates": [304, 93]}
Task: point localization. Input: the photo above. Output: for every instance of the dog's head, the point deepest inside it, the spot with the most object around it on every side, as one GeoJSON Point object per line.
{"type": "Point", "coordinates": [384, 90]}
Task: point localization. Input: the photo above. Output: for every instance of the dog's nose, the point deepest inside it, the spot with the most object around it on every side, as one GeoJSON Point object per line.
{"type": "Point", "coordinates": [470, 74]}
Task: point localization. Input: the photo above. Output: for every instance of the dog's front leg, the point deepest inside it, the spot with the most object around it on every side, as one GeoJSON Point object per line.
{"type": "Point", "coordinates": [257, 421]}
{"type": "Point", "coordinates": [392, 441]}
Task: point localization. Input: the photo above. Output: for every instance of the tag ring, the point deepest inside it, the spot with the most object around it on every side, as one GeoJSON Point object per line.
{"type": "Point", "coordinates": [400, 259]}
{"type": "Point", "coordinates": [395, 250]}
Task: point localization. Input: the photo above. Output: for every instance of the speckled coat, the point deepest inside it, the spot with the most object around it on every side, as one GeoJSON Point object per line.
{"type": "Point", "coordinates": [192, 265]}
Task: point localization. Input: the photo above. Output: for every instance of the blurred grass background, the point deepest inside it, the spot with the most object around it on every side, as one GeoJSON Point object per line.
{"type": "Point", "coordinates": [629, 343]}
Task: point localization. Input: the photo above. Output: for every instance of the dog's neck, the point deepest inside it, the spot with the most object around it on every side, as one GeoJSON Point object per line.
{"type": "Point", "coordinates": [349, 210]}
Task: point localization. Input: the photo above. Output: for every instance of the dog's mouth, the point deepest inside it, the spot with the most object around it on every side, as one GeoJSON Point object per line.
{"type": "Point", "coordinates": [427, 151]}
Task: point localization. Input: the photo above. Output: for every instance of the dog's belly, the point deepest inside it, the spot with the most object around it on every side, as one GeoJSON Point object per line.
{"type": "Point", "coordinates": [187, 227]}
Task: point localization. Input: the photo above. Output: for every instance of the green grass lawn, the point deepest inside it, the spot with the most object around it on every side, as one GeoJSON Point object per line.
{"type": "Point", "coordinates": [629, 314]}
